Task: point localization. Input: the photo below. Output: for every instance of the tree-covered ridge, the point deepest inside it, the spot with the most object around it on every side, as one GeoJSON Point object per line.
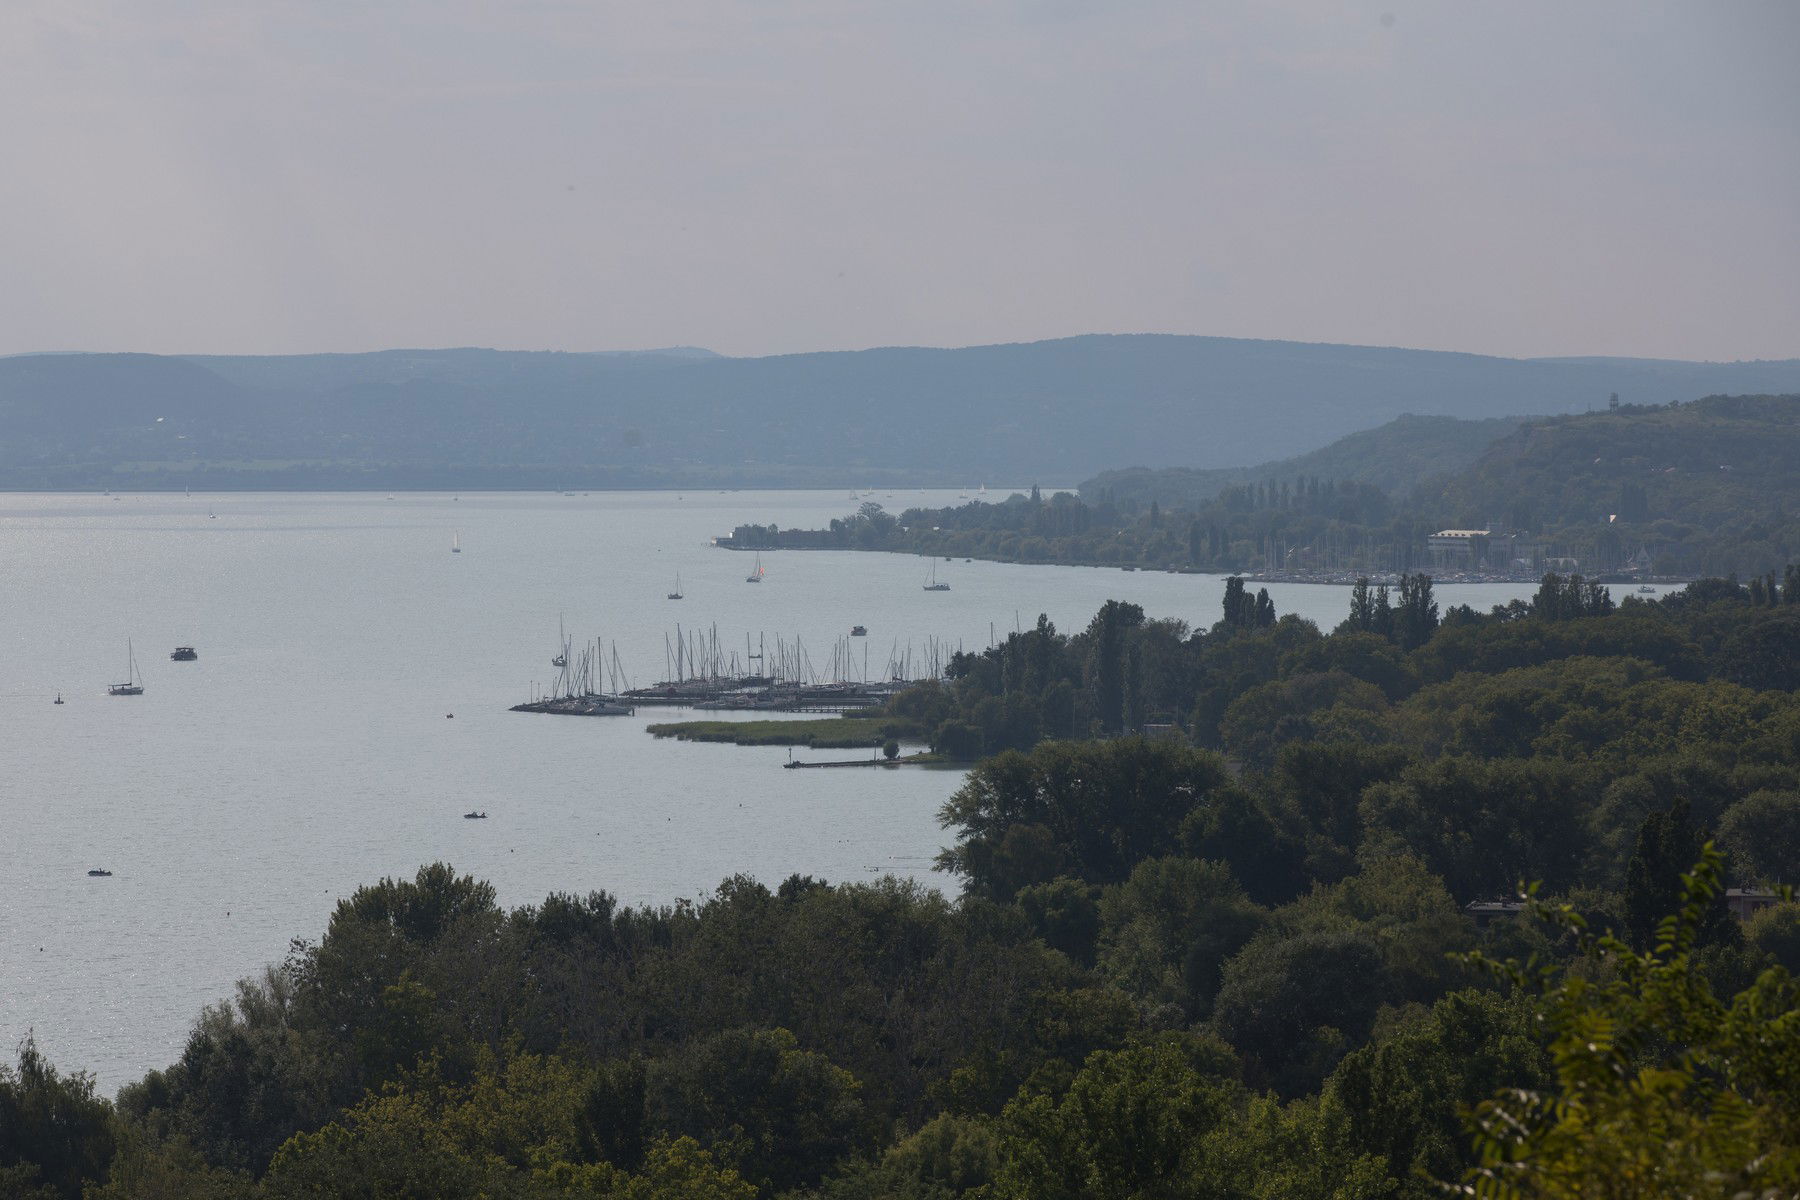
{"type": "Point", "coordinates": [1395, 457]}
{"type": "Point", "coordinates": [1710, 485]}
{"type": "Point", "coordinates": [466, 418]}
{"type": "Point", "coordinates": [1688, 489]}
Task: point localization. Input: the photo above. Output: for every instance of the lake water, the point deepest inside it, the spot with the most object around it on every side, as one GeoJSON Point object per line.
{"type": "Point", "coordinates": [309, 751]}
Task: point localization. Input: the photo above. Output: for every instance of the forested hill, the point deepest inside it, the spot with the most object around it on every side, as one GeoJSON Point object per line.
{"type": "Point", "coordinates": [1719, 476]}
{"type": "Point", "coordinates": [1395, 456]}
{"type": "Point", "coordinates": [1059, 409]}
{"type": "Point", "coordinates": [1709, 486]}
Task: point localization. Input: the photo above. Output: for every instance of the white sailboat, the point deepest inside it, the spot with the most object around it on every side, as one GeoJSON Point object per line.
{"type": "Point", "coordinates": [134, 682]}
{"type": "Point", "coordinates": [934, 585]}
{"type": "Point", "coordinates": [456, 542]}
{"type": "Point", "coordinates": [676, 594]}
{"type": "Point", "coordinates": [756, 575]}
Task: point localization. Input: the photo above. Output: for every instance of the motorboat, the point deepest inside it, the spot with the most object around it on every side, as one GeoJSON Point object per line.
{"type": "Point", "coordinates": [184, 654]}
{"type": "Point", "coordinates": [858, 631]}
{"type": "Point", "coordinates": [474, 816]}
{"type": "Point", "coordinates": [100, 873]}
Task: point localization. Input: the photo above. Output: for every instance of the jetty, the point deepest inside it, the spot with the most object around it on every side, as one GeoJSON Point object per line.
{"type": "Point", "coordinates": [577, 706]}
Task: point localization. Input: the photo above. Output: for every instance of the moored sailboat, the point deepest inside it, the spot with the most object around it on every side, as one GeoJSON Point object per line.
{"type": "Point", "coordinates": [134, 682]}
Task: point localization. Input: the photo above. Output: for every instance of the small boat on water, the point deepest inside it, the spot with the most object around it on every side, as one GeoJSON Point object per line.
{"type": "Point", "coordinates": [100, 873]}
{"type": "Point", "coordinates": [134, 683]}
{"type": "Point", "coordinates": [456, 543]}
{"type": "Point", "coordinates": [934, 585]}
{"type": "Point", "coordinates": [58, 699]}
{"type": "Point", "coordinates": [184, 654]}
{"type": "Point", "coordinates": [474, 816]}
{"type": "Point", "coordinates": [756, 576]}
{"type": "Point", "coordinates": [676, 594]}
{"type": "Point", "coordinates": [1644, 587]}
{"type": "Point", "coordinates": [858, 631]}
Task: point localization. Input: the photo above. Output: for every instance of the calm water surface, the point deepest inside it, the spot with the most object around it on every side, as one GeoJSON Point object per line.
{"type": "Point", "coordinates": [308, 751]}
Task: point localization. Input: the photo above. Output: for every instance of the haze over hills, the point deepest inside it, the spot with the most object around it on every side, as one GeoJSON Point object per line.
{"type": "Point", "coordinates": [1055, 410]}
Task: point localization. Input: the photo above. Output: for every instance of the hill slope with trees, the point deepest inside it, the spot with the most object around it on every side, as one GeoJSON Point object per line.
{"type": "Point", "coordinates": [1396, 457]}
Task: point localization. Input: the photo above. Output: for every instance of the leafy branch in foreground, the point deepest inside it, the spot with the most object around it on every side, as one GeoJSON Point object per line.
{"type": "Point", "coordinates": [1662, 1089]}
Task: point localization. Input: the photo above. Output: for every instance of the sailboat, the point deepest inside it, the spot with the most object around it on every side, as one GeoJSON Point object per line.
{"type": "Point", "coordinates": [456, 543]}
{"type": "Point", "coordinates": [134, 683]}
{"type": "Point", "coordinates": [934, 585]}
{"type": "Point", "coordinates": [676, 594]}
{"type": "Point", "coordinates": [756, 575]}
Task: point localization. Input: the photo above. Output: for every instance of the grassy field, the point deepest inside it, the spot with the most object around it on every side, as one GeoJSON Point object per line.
{"type": "Point", "coordinates": [844, 733]}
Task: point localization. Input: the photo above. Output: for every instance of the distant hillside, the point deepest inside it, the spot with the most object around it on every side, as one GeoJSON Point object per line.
{"type": "Point", "coordinates": [483, 418]}
{"type": "Point", "coordinates": [1395, 457]}
{"type": "Point", "coordinates": [1708, 486]}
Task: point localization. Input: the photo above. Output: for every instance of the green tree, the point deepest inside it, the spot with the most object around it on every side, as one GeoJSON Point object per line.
{"type": "Point", "coordinates": [1661, 1088]}
{"type": "Point", "coordinates": [1294, 1005]}
{"type": "Point", "coordinates": [778, 1114]}
{"type": "Point", "coordinates": [1109, 634]}
{"type": "Point", "coordinates": [1655, 877]}
{"type": "Point", "coordinates": [1091, 809]}
{"type": "Point", "coordinates": [55, 1134]}
{"type": "Point", "coordinates": [1066, 914]}
{"type": "Point", "coordinates": [1168, 929]}
{"type": "Point", "coordinates": [1404, 1094]}
{"type": "Point", "coordinates": [1129, 1126]}
{"type": "Point", "coordinates": [1416, 617]}
{"type": "Point", "coordinates": [1762, 834]}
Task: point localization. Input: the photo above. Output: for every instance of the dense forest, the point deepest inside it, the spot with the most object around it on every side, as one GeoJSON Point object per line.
{"type": "Point", "coordinates": [1213, 938]}
{"type": "Point", "coordinates": [1680, 490]}
{"type": "Point", "coordinates": [1058, 410]}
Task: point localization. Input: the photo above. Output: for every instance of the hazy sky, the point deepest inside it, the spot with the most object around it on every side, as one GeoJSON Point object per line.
{"type": "Point", "coordinates": [1503, 176]}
